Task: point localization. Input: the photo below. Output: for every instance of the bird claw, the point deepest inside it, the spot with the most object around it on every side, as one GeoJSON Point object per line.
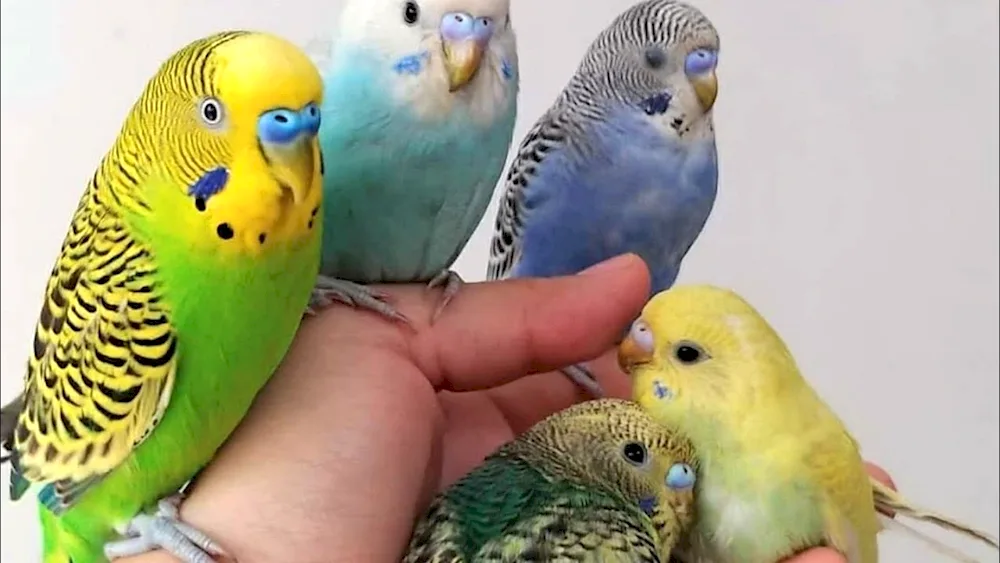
{"type": "Point", "coordinates": [581, 376]}
{"type": "Point", "coordinates": [452, 282]}
{"type": "Point", "coordinates": [330, 290]}
{"type": "Point", "coordinates": [164, 530]}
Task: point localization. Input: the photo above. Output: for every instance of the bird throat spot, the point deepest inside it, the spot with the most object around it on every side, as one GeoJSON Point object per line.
{"type": "Point", "coordinates": [224, 231]}
{"type": "Point", "coordinates": [210, 183]}
{"type": "Point", "coordinates": [657, 104]}
{"type": "Point", "coordinates": [661, 391]}
{"type": "Point", "coordinates": [411, 64]}
{"type": "Point", "coordinates": [312, 216]}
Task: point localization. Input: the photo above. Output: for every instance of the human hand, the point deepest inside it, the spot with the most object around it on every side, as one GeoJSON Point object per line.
{"type": "Point", "coordinates": [367, 419]}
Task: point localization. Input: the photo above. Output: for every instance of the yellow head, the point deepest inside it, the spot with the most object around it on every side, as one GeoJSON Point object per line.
{"type": "Point", "coordinates": [612, 444]}
{"type": "Point", "coordinates": [702, 354]}
{"type": "Point", "coordinates": [230, 120]}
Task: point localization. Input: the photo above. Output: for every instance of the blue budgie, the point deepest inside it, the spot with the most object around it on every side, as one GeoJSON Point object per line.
{"type": "Point", "coordinates": [623, 161]}
{"type": "Point", "coordinates": [419, 111]}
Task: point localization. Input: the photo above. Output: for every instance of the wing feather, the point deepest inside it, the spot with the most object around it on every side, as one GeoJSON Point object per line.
{"type": "Point", "coordinates": [103, 362]}
{"type": "Point", "coordinates": [835, 464]}
{"type": "Point", "coordinates": [569, 531]}
{"type": "Point", "coordinates": [505, 248]}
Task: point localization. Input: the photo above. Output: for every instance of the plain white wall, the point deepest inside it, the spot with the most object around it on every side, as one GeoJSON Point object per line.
{"type": "Point", "coordinates": [858, 203]}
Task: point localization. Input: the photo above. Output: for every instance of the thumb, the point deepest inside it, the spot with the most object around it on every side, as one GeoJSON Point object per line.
{"type": "Point", "coordinates": [493, 333]}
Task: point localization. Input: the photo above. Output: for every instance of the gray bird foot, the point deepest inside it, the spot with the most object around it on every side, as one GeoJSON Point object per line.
{"type": "Point", "coordinates": [452, 282]}
{"type": "Point", "coordinates": [164, 530]}
{"type": "Point", "coordinates": [584, 379]}
{"type": "Point", "coordinates": [329, 290]}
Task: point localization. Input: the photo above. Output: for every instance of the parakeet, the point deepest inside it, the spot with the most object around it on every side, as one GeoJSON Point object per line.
{"type": "Point", "coordinates": [599, 481]}
{"type": "Point", "coordinates": [779, 471]}
{"type": "Point", "coordinates": [176, 293]}
{"type": "Point", "coordinates": [421, 98]}
{"type": "Point", "coordinates": [623, 161]}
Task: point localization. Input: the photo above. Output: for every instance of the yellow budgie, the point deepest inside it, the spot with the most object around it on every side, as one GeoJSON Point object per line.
{"type": "Point", "coordinates": [779, 471]}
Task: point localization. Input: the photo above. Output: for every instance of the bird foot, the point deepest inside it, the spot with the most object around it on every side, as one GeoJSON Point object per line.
{"type": "Point", "coordinates": [164, 530]}
{"type": "Point", "coordinates": [329, 290]}
{"type": "Point", "coordinates": [584, 379]}
{"type": "Point", "coordinates": [452, 282]}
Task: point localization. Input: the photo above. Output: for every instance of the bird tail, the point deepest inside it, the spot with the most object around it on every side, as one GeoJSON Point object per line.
{"type": "Point", "coordinates": [951, 553]}
{"type": "Point", "coordinates": [888, 501]}
{"type": "Point", "coordinates": [8, 422]}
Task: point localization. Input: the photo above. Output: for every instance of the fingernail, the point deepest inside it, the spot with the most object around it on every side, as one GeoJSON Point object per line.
{"type": "Point", "coordinates": [608, 265]}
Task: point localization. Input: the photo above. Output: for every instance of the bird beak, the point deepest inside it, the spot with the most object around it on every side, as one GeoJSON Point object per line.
{"type": "Point", "coordinates": [462, 59]}
{"type": "Point", "coordinates": [706, 87]}
{"type": "Point", "coordinates": [294, 165]}
{"type": "Point", "coordinates": [631, 355]}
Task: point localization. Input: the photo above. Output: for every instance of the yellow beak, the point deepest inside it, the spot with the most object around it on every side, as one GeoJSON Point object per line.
{"type": "Point", "coordinates": [706, 87]}
{"type": "Point", "coordinates": [462, 60]}
{"type": "Point", "coordinates": [631, 355]}
{"type": "Point", "coordinates": [294, 165]}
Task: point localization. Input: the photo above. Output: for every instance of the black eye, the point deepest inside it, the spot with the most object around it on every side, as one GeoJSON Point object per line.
{"type": "Point", "coordinates": [211, 111]}
{"type": "Point", "coordinates": [655, 57]}
{"type": "Point", "coordinates": [635, 453]}
{"type": "Point", "coordinates": [689, 353]}
{"type": "Point", "coordinates": [411, 12]}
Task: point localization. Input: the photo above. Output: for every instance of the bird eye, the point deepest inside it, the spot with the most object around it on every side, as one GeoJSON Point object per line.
{"type": "Point", "coordinates": [411, 12]}
{"type": "Point", "coordinates": [689, 353]}
{"type": "Point", "coordinates": [642, 335]}
{"type": "Point", "coordinates": [211, 111]}
{"type": "Point", "coordinates": [635, 453]}
{"type": "Point", "coordinates": [680, 476]}
{"type": "Point", "coordinates": [655, 57]}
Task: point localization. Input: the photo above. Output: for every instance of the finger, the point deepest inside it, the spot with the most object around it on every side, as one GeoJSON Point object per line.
{"type": "Point", "coordinates": [493, 417]}
{"type": "Point", "coordinates": [525, 402]}
{"type": "Point", "coordinates": [818, 555]}
{"type": "Point", "coordinates": [880, 475]}
{"type": "Point", "coordinates": [493, 333]}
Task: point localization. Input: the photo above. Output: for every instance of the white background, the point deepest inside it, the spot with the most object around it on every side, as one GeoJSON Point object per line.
{"type": "Point", "coordinates": [858, 202]}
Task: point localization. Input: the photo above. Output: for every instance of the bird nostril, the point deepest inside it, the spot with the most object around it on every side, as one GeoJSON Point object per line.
{"type": "Point", "coordinates": [281, 118]}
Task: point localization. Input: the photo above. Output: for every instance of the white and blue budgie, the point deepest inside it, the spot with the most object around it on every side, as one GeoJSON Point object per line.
{"type": "Point", "coordinates": [420, 102]}
{"type": "Point", "coordinates": [624, 160]}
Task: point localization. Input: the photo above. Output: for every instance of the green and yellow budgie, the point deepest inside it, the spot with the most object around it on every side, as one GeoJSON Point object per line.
{"type": "Point", "coordinates": [779, 471]}
{"type": "Point", "coordinates": [599, 481]}
{"type": "Point", "coordinates": [176, 294]}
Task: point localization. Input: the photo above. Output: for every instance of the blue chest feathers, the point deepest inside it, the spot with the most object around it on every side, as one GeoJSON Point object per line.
{"type": "Point", "coordinates": [632, 191]}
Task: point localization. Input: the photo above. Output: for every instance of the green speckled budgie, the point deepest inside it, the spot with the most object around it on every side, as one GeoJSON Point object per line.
{"type": "Point", "coordinates": [599, 481]}
{"type": "Point", "coordinates": [176, 294]}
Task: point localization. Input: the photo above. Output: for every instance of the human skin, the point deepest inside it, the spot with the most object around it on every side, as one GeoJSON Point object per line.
{"type": "Point", "coordinates": [366, 420]}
